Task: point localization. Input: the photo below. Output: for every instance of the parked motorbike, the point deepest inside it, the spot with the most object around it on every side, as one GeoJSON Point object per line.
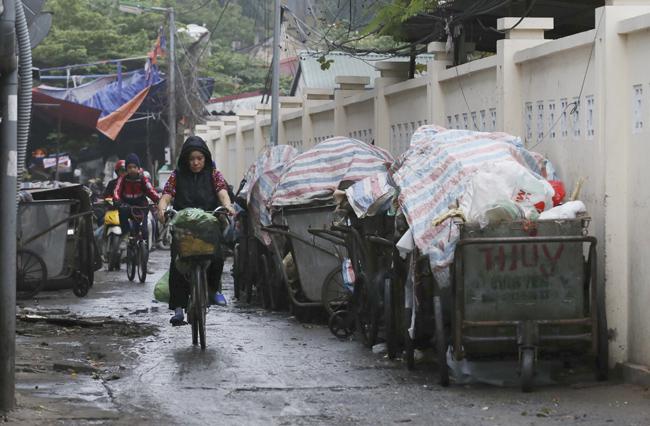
{"type": "Point", "coordinates": [112, 236]}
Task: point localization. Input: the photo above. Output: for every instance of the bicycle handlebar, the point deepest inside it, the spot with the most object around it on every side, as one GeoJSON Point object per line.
{"type": "Point", "coordinates": [171, 212]}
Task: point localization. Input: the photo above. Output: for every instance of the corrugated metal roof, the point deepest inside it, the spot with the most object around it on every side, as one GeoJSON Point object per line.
{"type": "Point", "coordinates": [312, 76]}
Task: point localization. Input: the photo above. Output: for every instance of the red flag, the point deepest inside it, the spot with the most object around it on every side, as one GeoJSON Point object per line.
{"type": "Point", "coordinates": [158, 47]}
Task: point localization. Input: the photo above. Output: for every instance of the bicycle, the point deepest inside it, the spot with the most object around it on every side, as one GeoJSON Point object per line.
{"type": "Point", "coordinates": [137, 250]}
{"type": "Point", "coordinates": [197, 303]}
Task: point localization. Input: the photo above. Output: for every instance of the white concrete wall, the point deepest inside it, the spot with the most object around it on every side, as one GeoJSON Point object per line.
{"type": "Point", "coordinates": [635, 99]}
{"type": "Point", "coordinates": [469, 95]}
{"type": "Point", "coordinates": [322, 126]}
{"type": "Point", "coordinates": [229, 169]}
{"type": "Point", "coordinates": [249, 147]}
{"type": "Point", "coordinates": [529, 88]}
{"type": "Point", "coordinates": [361, 119]}
{"type": "Point", "coordinates": [293, 133]}
{"type": "Point", "coordinates": [406, 104]}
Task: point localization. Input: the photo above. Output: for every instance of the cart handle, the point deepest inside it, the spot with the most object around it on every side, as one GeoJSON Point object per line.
{"type": "Point", "coordinates": [274, 227]}
{"type": "Point", "coordinates": [291, 235]}
{"type": "Point", "coordinates": [379, 240]}
{"type": "Point", "coordinates": [56, 225]}
{"type": "Point", "coordinates": [327, 235]}
{"type": "Point", "coordinates": [341, 228]}
{"type": "Point", "coordinates": [519, 240]}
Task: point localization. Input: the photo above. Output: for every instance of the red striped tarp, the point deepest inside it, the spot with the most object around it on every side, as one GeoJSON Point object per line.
{"type": "Point", "coordinates": [261, 179]}
{"type": "Point", "coordinates": [315, 174]}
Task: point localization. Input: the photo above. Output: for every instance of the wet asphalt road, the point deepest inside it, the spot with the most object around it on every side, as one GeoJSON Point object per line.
{"type": "Point", "coordinates": [268, 368]}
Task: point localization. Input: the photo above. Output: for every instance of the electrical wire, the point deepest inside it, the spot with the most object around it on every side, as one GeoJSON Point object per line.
{"type": "Point", "coordinates": [575, 105]}
{"type": "Point", "coordinates": [196, 9]}
{"type": "Point", "coordinates": [462, 91]}
{"type": "Point", "coordinates": [525, 15]}
{"type": "Point", "coordinates": [215, 27]}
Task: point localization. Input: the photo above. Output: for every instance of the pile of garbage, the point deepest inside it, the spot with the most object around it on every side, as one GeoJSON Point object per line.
{"type": "Point", "coordinates": [261, 179]}
{"type": "Point", "coordinates": [476, 176]}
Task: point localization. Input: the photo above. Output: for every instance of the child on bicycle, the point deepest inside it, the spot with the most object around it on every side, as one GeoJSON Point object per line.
{"type": "Point", "coordinates": [196, 183]}
{"type": "Point", "coordinates": [131, 190]}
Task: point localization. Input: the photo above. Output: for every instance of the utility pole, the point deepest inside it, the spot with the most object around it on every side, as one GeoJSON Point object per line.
{"type": "Point", "coordinates": [171, 86]}
{"type": "Point", "coordinates": [275, 82]}
{"type": "Point", "coordinates": [8, 178]}
{"type": "Point", "coordinates": [134, 8]}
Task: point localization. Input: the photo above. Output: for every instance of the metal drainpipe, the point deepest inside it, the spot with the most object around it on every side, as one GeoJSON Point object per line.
{"type": "Point", "coordinates": [25, 86]}
{"type": "Point", "coordinates": [8, 97]}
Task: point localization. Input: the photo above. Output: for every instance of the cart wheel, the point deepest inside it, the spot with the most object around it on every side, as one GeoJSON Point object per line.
{"type": "Point", "coordinates": [236, 278]}
{"type": "Point", "coordinates": [340, 325]}
{"type": "Point", "coordinates": [602, 357]}
{"type": "Point", "coordinates": [247, 271]}
{"type": "Point", "coordinates": [264, 284]}
{"type": "Point", "coordinates": [87, 253]}
{"type": "Point", "coordinates": [367, 315]}
{"type": "Point", "coordinates": [31, 274]}
{"type": "Point", "coordinates": [334, 295]}
{"type": "Point", "coordinates": [527, 369]}
{"type": "Point", "coordinates": [390, 319]}
{"type": "Point", "coordinates": [409, 344]}
{"type": "Point", "coordinates": [275, 287]}
{"type": "Point", "coordinates": [82, 287]}
{"type": "Point", "coordinates": [441, 342]}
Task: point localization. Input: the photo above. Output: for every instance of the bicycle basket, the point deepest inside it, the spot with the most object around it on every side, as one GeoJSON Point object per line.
{"type": "Point", "coordinates": [196, 233]}
{"type": "Point", "coordinates": [189, 244]}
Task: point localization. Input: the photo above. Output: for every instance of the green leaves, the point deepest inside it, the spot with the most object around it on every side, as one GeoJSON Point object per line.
{"type": "Point", "coordinates": [324, 62]}
{"type": "Point", "coordinates": [390, 18]}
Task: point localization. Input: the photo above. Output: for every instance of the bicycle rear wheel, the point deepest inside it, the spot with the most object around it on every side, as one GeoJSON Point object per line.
{"type": "Point", "coordinates": [143, 258]}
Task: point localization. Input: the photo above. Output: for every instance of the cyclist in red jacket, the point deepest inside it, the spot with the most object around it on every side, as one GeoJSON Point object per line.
{"type": "Point", "coordinates": [133, 189]}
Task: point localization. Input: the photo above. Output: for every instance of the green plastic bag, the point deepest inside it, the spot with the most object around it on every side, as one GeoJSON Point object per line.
{"type": "Point", "coordinates": [196, 233]}
{"type": "Point", "coordinates": [197, 222]}
{"type": "Point", "coordinates": [161, 290]}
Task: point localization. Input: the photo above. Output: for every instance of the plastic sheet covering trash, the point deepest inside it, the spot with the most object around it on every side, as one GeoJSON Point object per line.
{"type": "Point", "coordinates": [38, 216]}
{"type": "Point", "coordinates": [371, 195]}
{"type": "Point", "coordinates": [315, 174]}
{"type": "Point", "coordinates": [435, 172]}
{"type": "Point", "coordinates": [261, 179]}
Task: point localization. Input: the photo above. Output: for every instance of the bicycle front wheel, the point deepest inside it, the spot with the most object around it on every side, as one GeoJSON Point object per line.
{"type": "Point", "coordinates": [143, 258]}
{"type": "Point", "coordinates": [131, 260]}
{"type": "Point", "coordinates": [199, 296]}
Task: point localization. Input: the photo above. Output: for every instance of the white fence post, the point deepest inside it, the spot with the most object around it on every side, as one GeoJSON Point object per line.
{"type": "Point", "coordinates": [391, 73]}
{"type": "Point", "coordinates": [348, 86]}
{"type": "Point", "coordinates": [435, 97]}
{"type": "Point", "coordinates": [529, 33]}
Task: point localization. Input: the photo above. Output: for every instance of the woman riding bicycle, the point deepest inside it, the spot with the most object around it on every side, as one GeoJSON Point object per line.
{"type": "Point", "coordinates": [196, 183]}
{"type": "Point", "coordinates": [132, 190]}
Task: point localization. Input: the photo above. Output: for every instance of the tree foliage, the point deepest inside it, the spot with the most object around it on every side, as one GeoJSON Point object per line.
{"type": "Point", "coordinates": [85, 31]}
{"type": "Point", "coordinates": [390, 18]}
